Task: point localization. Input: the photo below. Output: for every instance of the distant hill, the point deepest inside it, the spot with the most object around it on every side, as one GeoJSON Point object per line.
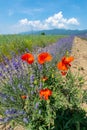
{"type": "Point", "coordinates": [58, 32]}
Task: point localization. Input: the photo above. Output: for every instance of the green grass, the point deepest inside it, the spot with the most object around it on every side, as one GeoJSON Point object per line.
{"type": "Point", "coordinates": [18, 43]}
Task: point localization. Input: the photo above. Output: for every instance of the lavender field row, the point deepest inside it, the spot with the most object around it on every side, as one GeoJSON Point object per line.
{"type": "Point", "coordinates": [15, 66]}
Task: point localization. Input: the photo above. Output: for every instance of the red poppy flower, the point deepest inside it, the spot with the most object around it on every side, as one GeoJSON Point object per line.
{"type": "Point", "coordinates": [28, 57]}
{"type": "Point", "coordinates": [63, 73]}
{"type": "Point", "coordinates": [45, 93]}
{"type": "Point", "coordinates": [64, 64]}
{"type": "Point", "coordinates": [67, 60]}
{"type": "Point", "coordinates": [44, 57]}
{"type": "Point", "coordinates": [23, 96]}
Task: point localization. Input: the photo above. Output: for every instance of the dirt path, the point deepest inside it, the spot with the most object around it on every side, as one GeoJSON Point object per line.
{"type": "Point", "coordinates": [79, 51]}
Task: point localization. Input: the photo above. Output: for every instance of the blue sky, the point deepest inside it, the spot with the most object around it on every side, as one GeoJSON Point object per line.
{"type": "Point", "coordinates": [24, 15]}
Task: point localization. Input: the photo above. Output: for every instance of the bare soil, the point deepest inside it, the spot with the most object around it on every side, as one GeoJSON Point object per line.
{"type": "Point", "coordinates": [79, 65]}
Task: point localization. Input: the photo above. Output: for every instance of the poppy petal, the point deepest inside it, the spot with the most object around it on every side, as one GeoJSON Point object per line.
{"type": "Point", "coordinates": [44, 57]}
{"type": "Point", "coordinates": [62, 66]}
{"type": "Point", "coordinates": [28, 57]}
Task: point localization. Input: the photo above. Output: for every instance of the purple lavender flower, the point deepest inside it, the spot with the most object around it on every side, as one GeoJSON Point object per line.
{"type": "Point", "coordinates": [32, 92]}
{"type": "Point", "coordinates": [39, 67]}
{"type": "Point", "coordinates": [15, 112]}
{"type": "Point", "coordinates": [36, 105]}
{"type": "Point", "coordinates": [20, 86]}
{"type": "Point", "coordinates": [27, 50]}
{"type": "Point", "coordinates": [40, 85]}
{"type": "Point", "coordinates": [16, 65]}
{"type": "Point", "coordinates": [11, 111]}
{"type": "Point", "coordinates": [1, 120]}
{"type": "Point", "coordinates": [22, 112]}
{"type": "Point", "coordinates": [26, 120]}
{"type": "Point", "coordinates": [1, 74]}
{"type": "Point", "coordinates": [12, 99]}
{"type": "Point", "coordinates": [5, 120]}
{"type": "Point", "coordinates": [4, 96]}
{"type": "Point", "coordinates": [31, 80]}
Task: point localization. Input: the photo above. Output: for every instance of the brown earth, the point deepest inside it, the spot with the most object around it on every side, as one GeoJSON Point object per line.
{"type": "Point", "coordinates": [79, 51]}
{"type": "Point", "coordinates": [79, 65]}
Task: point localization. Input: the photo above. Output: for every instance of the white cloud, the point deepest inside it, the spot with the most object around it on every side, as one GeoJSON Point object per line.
{"type": "Point", "coordinates": [73, 21]}
{"type": "Point", "coordinates": [55, 21]}
{"type": "Point", "coordinates": [58, 21]}
{"type": "Point", "coordinates": [23, 21]}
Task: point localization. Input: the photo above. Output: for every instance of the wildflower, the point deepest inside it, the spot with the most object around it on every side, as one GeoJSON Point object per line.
{"type": "Point", "coordinates": [36, 105]}
{"type": "Point", "coordinates": [7, 119]}
{"type": "Point", "coordinates": [63, 73]}
{"type": "Point", "coordinates": [12, 99]}
{"type": "Point", "coordinates": [64, 64]}
{"type": "Point", "coordinates": [44, 57]}
{"type": "Point", "coordinates": [40, 85]}
{"type": "Point", "coordinates": [1, 120]}
{"type": "Point", "coordinates": [28, 57]}
{"type": "Point", "coordinates": [3, 96]}
{"type": "Point", "coordinates": [44, 79]}
{"type": "Point", "coordinates": [26, 120]}
{"type": "Point", "coordinates": [31, 79]}
{"type": "Point", "coordinates": [67, 60]}
{"type": "Point", "coordinates": [10, 111]}
{"type": "Point", "coordinates": [45, 93]}
{"type": "Point", "coordinates": [20, 87]}
{"type": "Point", "coordinates": [23, 96]}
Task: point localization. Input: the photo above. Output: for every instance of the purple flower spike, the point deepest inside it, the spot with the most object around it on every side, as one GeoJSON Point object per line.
{"type": "Point", "coordinates": [32, 92]}
{"type": "Point", "coordinates": [26, 120]}
{"type": "Point", "coordinates": [7, 119]}
{"type": "Point", "coordinates": [4, 96]}
{"type": "Point", "coordinates": [32, 79]}
{"type": "Point", "coordinates": [1, 120]}
{"type": "Point", "coordinates": [10, 111]}
{"type": "Point", "coordinates": [36, 105]}
{"type": "Point", "coordinates": [40, 85]}
{"type": "Point", "coordinates": [39, 67]}
{"type": "Point", "coordinates": [20, 86]}
{"type": "Point", "coordinates": [12, 99]}
{"type": "Point", "coordinates": [21, 112]}
{"type": "Point", "coordinates": [1, 74]}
